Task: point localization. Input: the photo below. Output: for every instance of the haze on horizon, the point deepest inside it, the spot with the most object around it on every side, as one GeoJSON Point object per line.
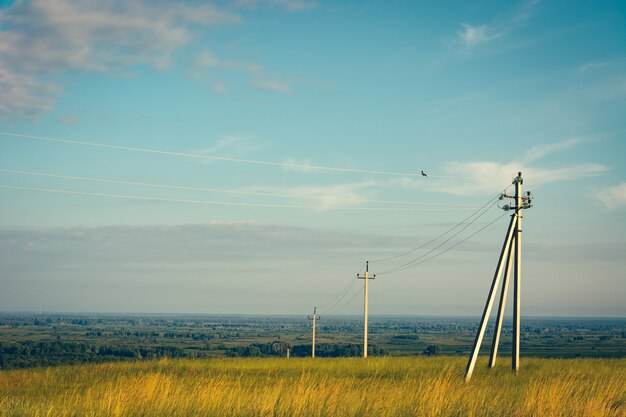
{"type": "Point", "coordinates": [248, 157]}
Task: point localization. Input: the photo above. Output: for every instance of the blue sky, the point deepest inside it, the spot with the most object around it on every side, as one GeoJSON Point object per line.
{"type": "Point", "coordinates": [469, 92]}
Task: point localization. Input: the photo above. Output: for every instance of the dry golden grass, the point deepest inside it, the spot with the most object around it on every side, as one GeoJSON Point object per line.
{"type": "Point", "coordinates": [321, 387]}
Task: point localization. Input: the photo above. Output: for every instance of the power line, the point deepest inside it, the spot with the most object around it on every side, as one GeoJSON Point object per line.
{"type": "Point", "coordinates": [344, 305]}
{"type": "Point", "coordinates": [220, 203]}
{"type": "Point", "coordinates": [447, 249]}
{"type": "Point", "coordinates": [436, 247]}
{"type": "Point", "coordinates": [288, 165]}
{"type": "Point", "coordinates": [205, 189]}
{"type": "Point", "coordinates": [348, 286]}
{"type": "Point", "coordinates": [440, 236]}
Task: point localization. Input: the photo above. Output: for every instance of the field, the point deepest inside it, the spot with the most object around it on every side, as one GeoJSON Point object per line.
{"type": "Point", "coordinates": [384, 386]}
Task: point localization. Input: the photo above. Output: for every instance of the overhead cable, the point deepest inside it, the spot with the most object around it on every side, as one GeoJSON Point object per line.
{"type": "Point", "coordinates": [220, 203]}
{"type": "Point", "coordinates": [285, 165]}
{"type": "Point", "coordinates": [441, 235]}
{"type": "Point", "coordinates": [210, 190]}
{"type": "Point", "coordinates": [414, 264]}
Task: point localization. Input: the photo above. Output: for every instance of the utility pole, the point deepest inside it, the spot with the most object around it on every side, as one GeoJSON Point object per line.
{"type": "Point", "coordinates": [518, 270]}
{"type": "Point", "coordinates": [500, 316]}
{"type": "Point", "coordinates": [314, 317]}
{"type": "Point", "coordinates": [366, 277]}
{"type": "Point", "coordinates": [511, 252]}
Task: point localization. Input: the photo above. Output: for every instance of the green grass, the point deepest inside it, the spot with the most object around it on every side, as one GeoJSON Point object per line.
{"type": "Point", "coordinates": [409, 386]}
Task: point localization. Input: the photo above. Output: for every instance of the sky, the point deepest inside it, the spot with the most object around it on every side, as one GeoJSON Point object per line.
{"type": "Point", "coordinates": [248, 157]}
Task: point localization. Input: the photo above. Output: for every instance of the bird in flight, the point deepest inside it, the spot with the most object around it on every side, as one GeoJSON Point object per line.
{"type": "Point", "coordinates": [424, 174]}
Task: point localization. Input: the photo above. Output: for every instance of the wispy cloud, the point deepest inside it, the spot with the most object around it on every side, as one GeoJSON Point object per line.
{"type": "Point", "coordinates": [301, 166]}
{"type": "Point", "coordinates": [289, 5]}
{"type": "Point", "coordinates": [613, 197]}
{"type": "Point", "coordinates": [67, 119]}
{"type": "Point", "coordinates": [23, 93]}
{"type": "Point", "coordinates": [472, 35]}
{"type": "Point", "coordinates": [539, 151]}
{"type": "Point", "coordinates": [272, 85]}
{"type": "Point", "coordinates": [490, 176]}
{"type": "Point", "coordinates": [40, 38]}
{"type": "Point", "coordinates": [232, 146]}
{"type": "Point", "coordinates": [481, 177]}
{"type": "Point", "coordinates": [208, 60]}
{"type": "Point", "coordinates": [325, 196]}
{"type": "Point", "coordinates": [595, 65]}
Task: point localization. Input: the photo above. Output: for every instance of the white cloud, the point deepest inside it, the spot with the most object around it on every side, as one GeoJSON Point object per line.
{"type": "Point", "coordinates": [67, 119]}
{"type": "Point", "coordinates": [473, 35]}
{"type": "Point", "coordinates": [342, 195]}
{"type": "Point", "coordinates": [490, 176]}
{"type": "Point", "coordinates": [289, 5]}
{"type": "Point", "coordinates": [613, 197]}
{"type": "Point", "coordinates": [45, 37]}
{"type": "Point", "coordinates": [539, 151]}
{"type": "Point", "coordinates": [208, 60]}
{"type": "Point", "coordinates": [23, 93]}
{"type": "Point", "coordinates": [272, 85]}
{"type": "Point", "coordinates": [325, 196]}
{"type": "Point", "coordinates": [301, 166]}
{"type": "Point", "coordinates": [232, 146]}
{"type": "Point", "coordinates": [594, 65]}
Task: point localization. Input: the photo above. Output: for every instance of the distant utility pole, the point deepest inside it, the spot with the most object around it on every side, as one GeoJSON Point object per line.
{"type": "Point", "coordinates": [314, 317]}
{"type": "Point", "coordinates": [511, 252]}
{"type": "Point", "coordinates": [366, 277]}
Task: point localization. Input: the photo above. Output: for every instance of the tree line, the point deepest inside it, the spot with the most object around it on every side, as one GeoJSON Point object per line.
{"type": "Point", "coordinates": [322, 350]}
{"type": "Point", "coordinates": [27, 354]}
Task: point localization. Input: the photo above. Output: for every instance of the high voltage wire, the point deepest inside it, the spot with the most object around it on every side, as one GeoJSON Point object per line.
{"type": "Point", "coordinates": [441, 235]}
{"type": "Point", "coordinates": [223, 158]}
{"type": "Point", "coordinates": [413, 263]}
{"type": "Point", "coordinates": [337, 310]}
{"type": "Point", "coordinates": [220, 203]}
{"type": "Point", "coordinates": [343, 293]}
{"type": "Point", "coordinates": [205, 189]}
{"type": "Point", "coordinates": [399, 268]}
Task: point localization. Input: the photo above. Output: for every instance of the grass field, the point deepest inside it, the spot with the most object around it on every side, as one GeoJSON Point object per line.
{"type": "Point", "coordinates": [410, 386]}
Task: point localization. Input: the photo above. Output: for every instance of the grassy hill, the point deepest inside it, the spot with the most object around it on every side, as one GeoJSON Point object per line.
{"type": "Point", "coordinates": [410, 386]}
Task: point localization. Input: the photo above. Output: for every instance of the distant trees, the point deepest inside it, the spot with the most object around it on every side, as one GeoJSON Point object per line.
{"type": "Point", "coordinates": [28, 354]}
{"type": "Point", "coordinates": [244, 351]}
{"type": "Point", "coordinates": [323, 350]}
{"type": "Point", "coordinates": [431, 350]}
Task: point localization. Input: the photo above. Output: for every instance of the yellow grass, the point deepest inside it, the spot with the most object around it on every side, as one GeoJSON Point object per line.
{"type": "Point", "coordinates": [321, 387]}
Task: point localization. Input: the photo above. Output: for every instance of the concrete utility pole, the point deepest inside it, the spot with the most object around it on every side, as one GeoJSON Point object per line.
{"type": "Point", "coordinates": [517, 301]}
{"type": "Point", "coordinates": [366, 277]}
{"type": "Point", "coordinates": [511, 251]}
{"type": "Point", "coordinates": [500, 316]}
{"type": "Point", "coordinates": [314, 317]}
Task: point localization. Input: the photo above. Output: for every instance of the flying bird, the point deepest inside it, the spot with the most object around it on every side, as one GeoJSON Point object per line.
{"type": "Point", "coordinates": [424, 174]}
